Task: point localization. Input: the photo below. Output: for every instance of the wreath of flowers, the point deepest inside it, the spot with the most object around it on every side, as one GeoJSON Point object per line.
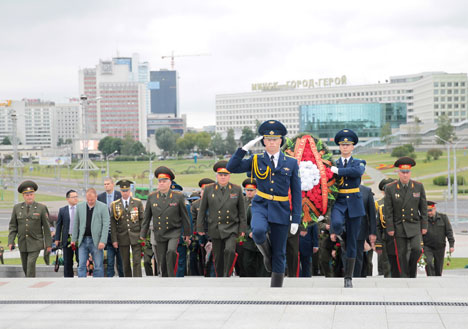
{"type": "Point", "coordinates": [318, 184]}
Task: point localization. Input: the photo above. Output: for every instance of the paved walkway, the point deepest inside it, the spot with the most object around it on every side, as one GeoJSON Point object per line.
{"type": "Point", "coordinates": [234, 303]}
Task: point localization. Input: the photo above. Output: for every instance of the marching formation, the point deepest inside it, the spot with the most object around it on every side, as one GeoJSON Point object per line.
{"type": "Point", "coordinates": [265, 228]}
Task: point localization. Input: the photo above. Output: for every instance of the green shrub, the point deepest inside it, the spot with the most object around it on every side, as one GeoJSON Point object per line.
{"type": "Point", "coordinates": [442, 180]}
{"type": "Point", "coordinates": [433, 153]}
{"type": "Point", "coordinates": [403, 150]}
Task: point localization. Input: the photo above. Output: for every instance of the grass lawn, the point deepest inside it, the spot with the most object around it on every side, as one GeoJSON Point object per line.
{"type": "Point", "coordinates": [456, 263]}
{"type": "Point", "coordinates": [8, 197]}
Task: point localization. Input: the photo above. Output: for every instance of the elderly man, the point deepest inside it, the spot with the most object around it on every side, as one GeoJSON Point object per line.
{"type": "Point", "coordinates": [439, 230]}
{"type": "Point", "coordinates": [273, 215]}
{"type": "Point", "coordinates": [90, 233]}
{"type": "Point", "coordinates": [405, 210]}
{"type": "Point", "coordinates": [29, 221]}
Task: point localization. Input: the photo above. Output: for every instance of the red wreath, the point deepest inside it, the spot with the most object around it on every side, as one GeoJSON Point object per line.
{"type": "Point", "coordinates": [319, 199]}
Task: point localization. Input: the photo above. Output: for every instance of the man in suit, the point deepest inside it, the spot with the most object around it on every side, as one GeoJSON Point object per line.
{"type": "Point", "coordinates": [367, 231]}
{"type": "Point", "coordinates": [64, 230]}
{"type": "Point", "coordinates": [273, 215]}
{"type": "Point", "coordinates": [169, 213]}
{"type": "Point", "coordinates": [406, 217]}
{"type": "Point", "coordinates": [90, 232]}
{"type": "Point", "coordinates": [439, 230]}
{"type": "Point", "coordinates": [222, 207]}
{"type": "Point", "coordinates": [126, 218]}
{"type": "Point", "coordinates": [29, 221]}
{"type": "Point", "coordinates": [113, 254]}
{"type": "Point", "coordinates": [348, 208]}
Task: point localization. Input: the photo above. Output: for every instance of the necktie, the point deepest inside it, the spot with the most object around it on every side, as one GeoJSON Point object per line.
{"type": "Point", "coordinates": [27, 209]}
{"type": "Point", "coordinates": [345, 162]}
{"type": "Point", "coordinates": [109, 200]}
{"type": "Point", "coordinates": [72, 219]}
{"type": "Point", "coordinates": [126, 204]}
{"type": "Point", "coordinates": [272, 162]}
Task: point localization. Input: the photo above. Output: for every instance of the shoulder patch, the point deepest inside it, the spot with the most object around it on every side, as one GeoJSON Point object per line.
{"type": "Point", "coordinates": [414, 181]}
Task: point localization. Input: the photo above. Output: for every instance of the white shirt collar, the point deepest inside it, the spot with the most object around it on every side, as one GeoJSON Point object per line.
{"type": "Point", "coordinates": [343, 159]}
{"type": "Point", "coordinates": [128, 200]}
{"type": "Point", "coordinates": [276, 155]}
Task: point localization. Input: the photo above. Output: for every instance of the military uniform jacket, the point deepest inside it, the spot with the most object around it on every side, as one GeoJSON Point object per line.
{"type": "Point", "coordinates": [380, 222]}
{"type": "Point", "coordinates": [194, 207]}
{"type": "Point", "coordinates": [284, 179]}
{"type": "Point", "coordinates": [31, 227]}
{"type": "Point", "coordinates": [349, 177]}
{"type": "Point", "coordinates": [126, 223]}
{"type": "Point", "coordinates": [438, 229]}
{"type": "Point", "coordinates": [405, 213]}
{"type": "Point", "coordinates": [169, 215]}
{"type": "Point", "coordinates": [225, 213]}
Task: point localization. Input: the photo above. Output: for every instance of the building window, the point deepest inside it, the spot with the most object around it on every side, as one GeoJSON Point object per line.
{"type": "Point", "coordinates": [436, 84]}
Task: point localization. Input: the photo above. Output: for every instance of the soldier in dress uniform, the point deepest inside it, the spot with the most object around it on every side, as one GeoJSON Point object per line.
{"type": "Point", "coordinates": [167, 208]}
{"type": "Point", "coordinates": [126, 218]}
{"type": "Point", "coordinates": [386, 256]}
{"type": "Point", "coordinates": [29, 221]}
{"type": "Point", "coordinates": [349, 207]}
{"type": "Point", "coordinates": [406, 217]}
{"type": "Point", "coordinates": [273, 215]}
{"type": "Point", "coordinates": [439, 230]}
{"type": "Point", "coordinates": [222, 207]}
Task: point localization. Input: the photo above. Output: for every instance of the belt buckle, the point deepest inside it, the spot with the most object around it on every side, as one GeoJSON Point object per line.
{"type": "Point", "coordinates": [272, 197]}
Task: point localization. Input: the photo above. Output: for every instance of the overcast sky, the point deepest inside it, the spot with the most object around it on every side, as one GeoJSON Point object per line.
{"type": "Point", "coordinates": [44, 43]}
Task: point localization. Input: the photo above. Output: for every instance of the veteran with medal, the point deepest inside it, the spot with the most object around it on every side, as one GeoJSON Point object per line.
{"type": "Point", "coordinates": [276, 208]}
{"type": "Point", "coordinates": [405, 209]}
{"type": "Point", "coordinates": [169, 213]}
{"type": "Point", "coordinates": [126, 218]}
{"type": "Point", "coordinates": [29, 222]}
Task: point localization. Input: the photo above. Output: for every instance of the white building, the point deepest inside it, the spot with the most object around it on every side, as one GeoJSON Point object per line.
{"type": "Point", "coordinates": [427, 96]}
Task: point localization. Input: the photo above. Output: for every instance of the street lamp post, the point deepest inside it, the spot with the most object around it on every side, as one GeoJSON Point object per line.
{"type": "Point", "coordinates": [150, 174]}
{"type": "Point", "coordinates": [107, 159]}
{"type": "Point", "coordinates": [448, 165]}
{"type": "Point", "coordinates": [455, 183]}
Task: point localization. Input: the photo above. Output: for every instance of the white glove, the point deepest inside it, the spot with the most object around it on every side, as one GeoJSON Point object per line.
{"type": "Point", "coordinates": [294, 228]}
{"type": "Point", "coordinates": [250, 144]}
{"type": "Point", "coordinates": [334, 169]}
{"type": "Point", "coordinates": [320, 218]}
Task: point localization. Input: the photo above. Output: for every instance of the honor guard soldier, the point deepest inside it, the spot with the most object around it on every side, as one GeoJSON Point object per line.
{"type": "Point", "coordinates": [29, 221]}
{"type": "Point", "coordinates": [222, 207]}
{"type": "Point", "coordinates": [167, 208]}
{"type": "Point", "coordinates": [273, 215]}
{"type": "Point", "coordinates": [349, 207]}
{"type": "Point", "coordinates": [438, 231]}
{"type": "Point", "coordinates": [406, 217]}
{"type": "Point", "coordinates": [127, 214]}
{"type": "Point", "coordinates": [384, 247]}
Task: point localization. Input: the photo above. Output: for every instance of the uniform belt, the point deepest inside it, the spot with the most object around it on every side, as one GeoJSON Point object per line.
{"type": "Point", "coordinates": [348, 190]}
{"type": "Point", "coordinates": [272, 197]}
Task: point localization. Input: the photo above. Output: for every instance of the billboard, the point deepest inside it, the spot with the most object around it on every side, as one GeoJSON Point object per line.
{"type": "Point", "coordinates": [54, 161]}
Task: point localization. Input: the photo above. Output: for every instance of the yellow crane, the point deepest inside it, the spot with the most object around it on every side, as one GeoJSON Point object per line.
{"type": "Point", "coordinates": [172, 56]}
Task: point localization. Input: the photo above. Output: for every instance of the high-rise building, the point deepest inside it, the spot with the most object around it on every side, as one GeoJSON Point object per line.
{"type": "Point", "coordinates": [426, 95]}
{"type": "Point", "coordinates": [117, 97]}
{"type": "Point", "coordinates": [66, 121]}
{"type": "Point", "coordinates": [164, 95]}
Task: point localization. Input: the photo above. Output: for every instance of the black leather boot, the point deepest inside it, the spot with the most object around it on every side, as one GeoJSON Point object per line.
{"type": "Point", "coordinates": [265, 249]}
{"type": "Point", "coordinates": [277, 280]}
{"type": "Point", "coordinates": [348, 277]}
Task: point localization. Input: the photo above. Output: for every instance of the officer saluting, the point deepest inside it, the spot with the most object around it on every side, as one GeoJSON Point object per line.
{"type": "Point", "coordinates": [349, 207]}
{"type": "Point", "coordinates": [29, 221]}
{"type": "Point", "coordinates": [406, 216]}
{"type": "Point", "coordinates": [276, 175]}
{"type": "Point", "coordinates": [169, 213]}
{"type": "Point", "coordinates": [126, 218]}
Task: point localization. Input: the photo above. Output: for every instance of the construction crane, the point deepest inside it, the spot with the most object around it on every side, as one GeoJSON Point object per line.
{"type": "Point", "coordinates": [172, 56]}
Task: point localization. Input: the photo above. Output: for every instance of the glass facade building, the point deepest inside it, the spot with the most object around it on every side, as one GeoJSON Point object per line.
{"type": "Point", "coordinates": [366, 119]}
{"type": "Point", "coordinates": [163, 90]}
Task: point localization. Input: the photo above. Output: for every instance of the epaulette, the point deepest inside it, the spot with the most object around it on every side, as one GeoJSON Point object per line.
{"type": "Point", "coordinates": [392, 183]}
{"type": "Point", "coordinates": [415, 181]}
{"type": "Point", "coordinates": [115, 201]}
{"type": "Point", "coordinates": [210, 184]}
{"type": "Point", "coordinates": [235, 185]}
{"type": "Point", "coordinates": [154, 192]}
{"type": "Point", "coordinates": [136, 199]}
{"type": "Point", "coordinates": [176, 192]}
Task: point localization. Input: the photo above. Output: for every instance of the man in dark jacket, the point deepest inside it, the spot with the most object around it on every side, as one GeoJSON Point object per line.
{"type": "Point", "coordinates": [438, 231]}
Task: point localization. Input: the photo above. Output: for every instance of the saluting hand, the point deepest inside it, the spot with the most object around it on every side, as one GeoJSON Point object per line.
{"type": "Point", "coordinates": [250, 144]}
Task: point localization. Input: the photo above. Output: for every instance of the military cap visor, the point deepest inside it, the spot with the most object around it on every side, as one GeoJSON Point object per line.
{"type": "Point", "coordinates": [220, 167]}
{"type": "Point", "coordinates": [176, 187]}
{"type": "Point", "coordinates": [164, 173]}
{"type": "Point", "coordinates": [27, 187]}
{"type": "Point", "coordinates": [204, 182]}
{"type": "Point", "coordinates": [124, 184]}
{"type": "Point", "coordinates": [249, 183]}
{"type": "Point", "coordinates": [346, 136]}
{"type": "Point", "coordinates": [384, 183]}
{"type": "Point", "coordinates": [431, 205]}
{"type": "Point", "coordinates": [405, 164]}
{"type": "Point", "coordinates": [272, 129]}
